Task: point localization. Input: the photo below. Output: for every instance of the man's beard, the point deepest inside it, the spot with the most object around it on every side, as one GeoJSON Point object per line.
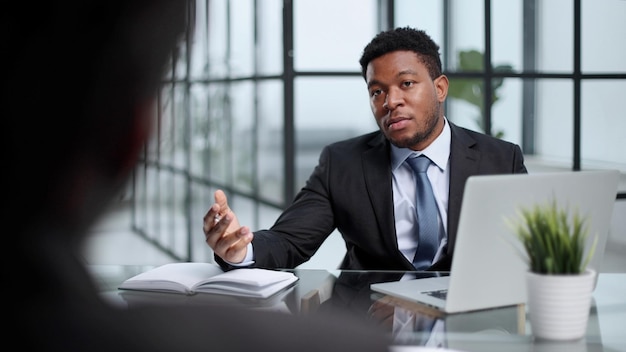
{"type": "Point", "coordinates": [419, 137]}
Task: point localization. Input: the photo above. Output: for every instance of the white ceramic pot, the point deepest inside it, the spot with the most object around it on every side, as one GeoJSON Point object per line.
{"type": "Point", "coordinates": [558, 305]}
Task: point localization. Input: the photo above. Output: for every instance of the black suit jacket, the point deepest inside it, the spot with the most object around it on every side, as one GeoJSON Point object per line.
{"type": "Point", "coordinates": [351, 190]}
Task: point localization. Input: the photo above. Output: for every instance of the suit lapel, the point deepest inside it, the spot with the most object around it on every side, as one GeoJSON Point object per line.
{"type": "Point", "coordinates": [464, 162]}
{"type": "Point", "coordinates": [377, 169]}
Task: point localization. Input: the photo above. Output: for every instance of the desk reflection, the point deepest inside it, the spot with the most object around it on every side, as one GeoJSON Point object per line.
{"type": "Point", "coordinates": [410, 324]}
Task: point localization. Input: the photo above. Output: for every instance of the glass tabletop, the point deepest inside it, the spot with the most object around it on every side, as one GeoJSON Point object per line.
{"type": "Point", "coordinates": [410, 324]}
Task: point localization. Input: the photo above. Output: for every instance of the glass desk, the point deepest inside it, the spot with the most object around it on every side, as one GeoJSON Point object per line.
{"type": "Point", "coordinates": [347, 292]}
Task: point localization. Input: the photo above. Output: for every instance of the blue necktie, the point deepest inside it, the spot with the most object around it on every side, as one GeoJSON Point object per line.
{"type": "Point", "coordinates": [426, 208]}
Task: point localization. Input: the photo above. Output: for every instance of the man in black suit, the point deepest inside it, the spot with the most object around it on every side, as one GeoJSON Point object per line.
{"type": "Point", "coordinates": [363, 187]}
{"type": "Point", "coordinates": [79, 95]}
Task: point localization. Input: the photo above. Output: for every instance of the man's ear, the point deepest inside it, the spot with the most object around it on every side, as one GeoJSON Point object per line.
{"type": "Point", "coordinates": [441, 85]}
{"type": "Point", "coordinates": [136, 136]}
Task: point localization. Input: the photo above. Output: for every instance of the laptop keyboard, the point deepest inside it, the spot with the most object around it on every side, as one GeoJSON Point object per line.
{"type": "Point", "coordinates": [438, 293]}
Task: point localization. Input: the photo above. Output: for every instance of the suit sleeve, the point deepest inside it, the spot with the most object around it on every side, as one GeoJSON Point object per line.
{"type": "Point", "coordinates": [518, 160]}
{"type": "Point", "coordinates": [302, 228]}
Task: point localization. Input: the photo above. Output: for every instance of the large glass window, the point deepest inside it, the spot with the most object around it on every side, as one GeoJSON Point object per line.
{"type": "Point", "coordinates": [554, 129]}
{"type": "Point", "coordinates": [327, 110]}
{"type": "Point", "coordinates": [602, 140]}
{"type": "Point", "coordinates": [555, 36]}
{"type": "Point", "coordinates": [263, 86]}
{"type": "Point", "coordinates": [423, 14]}
{"type": "Point", "coordinates": [329, 35]}
{"type": "Point", "coordinates": [270, 131]}
{"type": "Point", "coordinates": [603, 31]}
{"type": "Point", "coordinates": [270, 37]}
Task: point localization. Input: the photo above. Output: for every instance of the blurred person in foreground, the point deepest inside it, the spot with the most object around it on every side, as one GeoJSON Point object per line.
{"type": "Point", "coordinates": [78, 101]}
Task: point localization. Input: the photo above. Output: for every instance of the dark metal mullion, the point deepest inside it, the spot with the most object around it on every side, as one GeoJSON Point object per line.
{"type": "Point", "coordinates": [288, 95]}
{"type": "Point", "coordinates": [577, 83]}
{"type": "Point", "coordinates": [446, 45]}
{"type": "Point", "coordinates": [529, 85]}
{"type": "Point", "coordinates": [159, 170]}
{"type": "Point", "coordinates": [386, 13]}
{"type": "Point", "coordinates": [458, 74]}
{"type": "Point", "coordinates": [487, 96]}
{"type": "Point", "coordinates": [230, 173]}
{"type": "Point", "coordinates": [167, 233]}
{"type": "Point", "coordinates": [143, 201]}
{"type": "Point", "coordinates": [255, 123]}
{"type": "Point", "coordinates": [187, 142]}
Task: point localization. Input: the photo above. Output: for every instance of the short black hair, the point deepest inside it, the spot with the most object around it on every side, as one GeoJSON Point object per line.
{"type": "Point", "coordinates": [404, 38]}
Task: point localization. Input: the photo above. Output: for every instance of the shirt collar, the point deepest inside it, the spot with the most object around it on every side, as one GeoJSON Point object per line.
{"type": "Point", "coordinates": [438, 151]}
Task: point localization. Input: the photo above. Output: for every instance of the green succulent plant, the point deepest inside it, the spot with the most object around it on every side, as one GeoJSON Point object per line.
{"type": "Point", "coordinates": [553, 240]}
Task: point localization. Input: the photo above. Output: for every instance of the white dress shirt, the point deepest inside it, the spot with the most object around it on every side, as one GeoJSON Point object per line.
{"type": "Point", "coordinates": [403, 183]}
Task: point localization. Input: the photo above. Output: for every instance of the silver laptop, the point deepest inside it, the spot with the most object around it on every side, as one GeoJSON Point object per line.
{"type": "Point", "coordinates": [488, 269]}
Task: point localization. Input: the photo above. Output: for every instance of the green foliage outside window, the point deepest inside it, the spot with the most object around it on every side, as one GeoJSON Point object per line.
{"type": "Point", "coordinates": [471, 90]}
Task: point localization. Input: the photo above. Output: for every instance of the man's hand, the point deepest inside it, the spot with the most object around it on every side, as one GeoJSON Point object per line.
{"type": "Point", "coordinates": [223, 233]}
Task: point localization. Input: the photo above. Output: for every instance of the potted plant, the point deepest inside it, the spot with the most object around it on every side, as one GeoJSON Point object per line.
{"type": "Point", "coordinates": [559, 283]}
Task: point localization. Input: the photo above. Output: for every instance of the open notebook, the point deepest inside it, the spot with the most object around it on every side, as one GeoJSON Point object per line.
{"type": "Point", "coordinates": [487, 268]}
